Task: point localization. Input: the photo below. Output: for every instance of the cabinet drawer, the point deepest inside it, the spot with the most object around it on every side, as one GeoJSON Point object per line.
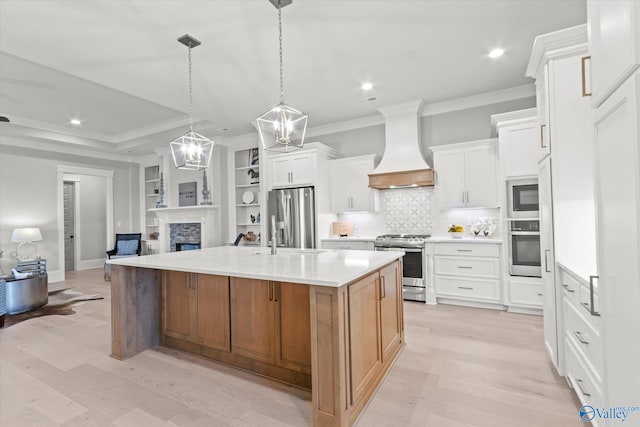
{"type": "Point", "coordinates": [359, 246]}
{"type": "Point", "coordinates": [570, 286]}
{"type": "Point", "coordinates": [457, 287]}
{"type": "Point", "coordinates": [529, 294]}
{"type": "Point", "coordinates": [578, 294]}
{"type": "Point", "coordinates": [585, 386]}
{"type": "Point", "coordinates": [585, 337]}
{"type": "Point", "coordinates": [468, 249]}
{"type": "Point", "coordinates": [486, 268]}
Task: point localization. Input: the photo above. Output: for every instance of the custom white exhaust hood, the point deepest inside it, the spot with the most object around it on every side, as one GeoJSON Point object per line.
{"type": "Point", "coordinates": [402, 164]}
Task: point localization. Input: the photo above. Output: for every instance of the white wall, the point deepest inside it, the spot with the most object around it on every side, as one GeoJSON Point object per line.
{"type": "Point", "coordinates": [28, 197]}
{"type": "Point", "coordinates": [92, 221]}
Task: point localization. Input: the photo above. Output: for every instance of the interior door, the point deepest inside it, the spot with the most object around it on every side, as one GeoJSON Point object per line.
{"type": "Point", "coordinates": [69, 226]}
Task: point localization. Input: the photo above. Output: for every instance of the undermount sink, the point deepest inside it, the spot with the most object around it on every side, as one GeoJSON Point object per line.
{"type": "Point", "coordinates": [285, 251]}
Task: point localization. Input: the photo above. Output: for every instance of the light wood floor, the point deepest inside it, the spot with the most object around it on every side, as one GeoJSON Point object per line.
{"type": "Point", "coordinates": [461, 367]}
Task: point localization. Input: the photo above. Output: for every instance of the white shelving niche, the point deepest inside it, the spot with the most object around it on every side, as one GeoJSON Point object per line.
{"type": "Point", "coordinates": [247, 193]}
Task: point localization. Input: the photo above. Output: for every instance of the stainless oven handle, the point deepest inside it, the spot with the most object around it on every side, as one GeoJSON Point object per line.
{"type": "Point", "coordinates": [381, 248]}
{"type": "Point", "coordinates": [524, 233]}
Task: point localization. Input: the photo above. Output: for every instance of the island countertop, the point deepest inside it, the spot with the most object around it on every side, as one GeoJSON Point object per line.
{"type": "Point", "coordinates": [321, 267]}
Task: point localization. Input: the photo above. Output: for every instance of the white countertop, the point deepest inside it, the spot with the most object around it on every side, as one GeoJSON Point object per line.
{"type": "Point", "coordinates": [350, 239]}
{"type": "Point", "coordinates": [322, 267]}
{"type": "Point", "coordinates": [466, 239]}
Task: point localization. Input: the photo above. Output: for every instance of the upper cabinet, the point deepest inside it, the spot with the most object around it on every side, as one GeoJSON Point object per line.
{"type": "Point", "coordinates": [518, 142]}
{"type": "Point", "coordinates": [350, 190]}
{"type": "Point", "coordinates": [614, 40]}
{"type": "Point", "coordinates": [292, 170]}
{"type": "Point", "coordinates": [466, 174]}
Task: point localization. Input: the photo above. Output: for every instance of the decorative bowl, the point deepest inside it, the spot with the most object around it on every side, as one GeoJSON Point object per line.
{"type": "Point", "coordinates": [456, 234]}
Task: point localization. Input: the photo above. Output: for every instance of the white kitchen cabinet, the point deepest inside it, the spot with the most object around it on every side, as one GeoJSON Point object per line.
{"type": "Point", "coordinates": [292, 170]}
{"type": "Point", "coordinates": [614, 42]}
{"type": "Point", "coordinates": [617, 132]}
{"type": "Point", "coordinates": [549, 290]}
{"type": "Point", "coordinates": [350, 190]}
{"type": "Point", "coordinates": [466, 174]}
{"type": "Point", "coordinates": [359, 245]}
{"type": "Point", "coordinates": [525, 295]}
{"type": "Point", "coordinates": [467, 273]}
{"type": "Point", "coordinates": [517, 142]}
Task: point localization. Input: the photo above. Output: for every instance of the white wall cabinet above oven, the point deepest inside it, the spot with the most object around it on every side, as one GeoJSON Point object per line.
{"type": "Point", "coordinates": [350, 190]}
{"type": "Point", "coordinates": [519, 144]}
{"type": "Point", "coordinates": [466, 174]}
{"type": "Point", "coordinates": [292, 170]}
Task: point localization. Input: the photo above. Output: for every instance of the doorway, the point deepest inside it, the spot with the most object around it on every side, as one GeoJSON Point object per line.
{"type": "Point", "coordinates": [69, 226]}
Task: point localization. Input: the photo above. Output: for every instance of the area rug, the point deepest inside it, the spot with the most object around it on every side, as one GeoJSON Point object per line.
{"type": "Point", "coordinates": [60, 302]}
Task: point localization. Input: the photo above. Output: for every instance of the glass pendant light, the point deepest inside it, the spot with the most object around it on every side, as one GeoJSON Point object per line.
{"type": "Point", "coordinates": [191, 151]}
{"type": "Point", "coordinates": [282, 128]}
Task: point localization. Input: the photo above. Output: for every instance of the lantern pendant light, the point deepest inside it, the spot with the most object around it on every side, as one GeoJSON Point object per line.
{"type": "Point", "coordinates": [191, 151]}
{"type": "Point", "coordinates": [282, 128]}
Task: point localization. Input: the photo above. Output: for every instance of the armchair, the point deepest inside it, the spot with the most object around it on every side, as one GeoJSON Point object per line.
{"type": "Point", "coordinates": [127, 245]}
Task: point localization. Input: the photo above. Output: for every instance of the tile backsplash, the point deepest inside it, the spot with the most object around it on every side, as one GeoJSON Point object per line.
{"type": "Point", "coordinates": [408, 210]}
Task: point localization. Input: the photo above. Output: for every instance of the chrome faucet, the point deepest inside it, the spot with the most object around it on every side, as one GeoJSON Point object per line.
{"type": "Point", "coordinates": [274, 238]}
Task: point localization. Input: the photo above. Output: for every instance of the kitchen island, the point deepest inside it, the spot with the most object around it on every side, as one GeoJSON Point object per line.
{"type": "Point", "coordinates": [326, 320]}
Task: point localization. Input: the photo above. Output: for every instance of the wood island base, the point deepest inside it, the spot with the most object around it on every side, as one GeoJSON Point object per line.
{"type": "Point", "coordinates": [339, 342]}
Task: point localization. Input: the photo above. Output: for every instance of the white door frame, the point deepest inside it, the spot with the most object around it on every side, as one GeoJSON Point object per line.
{"type": "Point", "coordinates": [76, 214]}
{"type": "Point", "coordinates": [67, 169]}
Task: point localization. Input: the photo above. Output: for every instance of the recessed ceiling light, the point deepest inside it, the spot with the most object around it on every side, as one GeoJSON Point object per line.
{"type": "Point", "coordinates": [495, 53]}
{"type": "Point", "coordinates": [224, 130]}
{"type": "Point", "coordinates": [75, 122]}
{"type": "Point", "coordinates": [366, 86]}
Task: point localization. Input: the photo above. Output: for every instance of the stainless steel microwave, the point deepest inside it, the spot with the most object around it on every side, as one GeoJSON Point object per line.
{"type": "Point", "coordinates": [523, 198]}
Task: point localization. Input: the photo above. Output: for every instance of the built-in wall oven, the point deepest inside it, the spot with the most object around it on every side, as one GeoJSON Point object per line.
{"type": "Point", "coordinates": [524, 248]}
{"type": "Point", "coordinates": [414, 283]}
{"type": "Point", "coordinates": [523, 198]}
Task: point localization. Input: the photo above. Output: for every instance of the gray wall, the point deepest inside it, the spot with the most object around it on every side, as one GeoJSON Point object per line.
{"type": "Point", "coordinates": [28, 195]}
{"type": "Point", "coordinates": [93, 218]}
{"type": "Point", "coordinates": [447, 128]}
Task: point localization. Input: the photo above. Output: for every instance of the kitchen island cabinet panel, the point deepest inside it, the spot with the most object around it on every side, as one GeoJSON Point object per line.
{"type": "Point", "coordinates": [294, 350]}
{"type": "Point", "coordinates": [176, 309]}
{"type": "Point", "coordinates": [390, 310]}
{"type": "Point", "coordinates": [366, 355]}
{"type": "Point", "coordinates": [212, 311]}
{"type": "Point", "coordinates": [252, 319]}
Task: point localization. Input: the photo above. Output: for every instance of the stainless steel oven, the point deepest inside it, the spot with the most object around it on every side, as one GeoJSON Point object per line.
{"type": "Point", "coordinates": [523, 198]}
{"type": "Point", "coordinates": [413, 262]}
{"type": "Point", "coordinates": [524, 248]}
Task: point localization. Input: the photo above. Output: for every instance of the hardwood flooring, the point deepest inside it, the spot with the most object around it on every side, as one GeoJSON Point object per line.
{"type": "Point", "coordinates": [461, 367]}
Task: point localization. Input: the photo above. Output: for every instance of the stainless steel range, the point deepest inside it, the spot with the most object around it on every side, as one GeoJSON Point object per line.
{"type": "Point", "coordinates": [414, 271]}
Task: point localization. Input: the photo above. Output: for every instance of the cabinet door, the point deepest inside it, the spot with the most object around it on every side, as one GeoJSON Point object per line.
{"type": "Point", "coordinates": [294, 326]}
{"type": "Point", "coordinates": [339, 188]}
{"type": "Point", "coordinates": [390, 310]}
{"type": "Point", "coordinates": [252, 319]}
{"type": "Point", "coordinates": [302, 169]}
{"type": "Point", "coordinates": [365, 350]}
{"type": "Point", "coordinates": [520, 144]}
{"type": "Point", "coordinates": [176, 304]}
{"type": "Point", "coordinates": [481, 176]}
{"type": "Point", "coordinates": [450, 188]}
{"type": "Point", "coordinates": [542, 104]}
{"type": "Point", "coordinates": [613, 42]}
{"type": "Point", "coordinates": [280, 172]}
{"type": "Point", "coordinates": [547, 257]}
{"type": "Point", "coordinates": [212, 311]}
{"type": "Point", "coordinates": [617, 127]}
{"type": "Point", "coordinates": [358, 182]}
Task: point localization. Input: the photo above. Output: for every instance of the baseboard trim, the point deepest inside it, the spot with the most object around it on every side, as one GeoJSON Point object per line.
{"type": "Point", "coordinates": [89, 264]}
{"type": "Point", "coordinates": [55, 276]}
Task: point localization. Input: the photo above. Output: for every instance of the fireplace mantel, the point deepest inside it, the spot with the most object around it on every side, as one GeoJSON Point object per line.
{"type": "Point", "coordinates": [206, 216]}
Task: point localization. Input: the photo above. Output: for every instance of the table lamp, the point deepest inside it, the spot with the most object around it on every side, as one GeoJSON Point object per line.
{"type": "Point", "coordinates": [25, 237]}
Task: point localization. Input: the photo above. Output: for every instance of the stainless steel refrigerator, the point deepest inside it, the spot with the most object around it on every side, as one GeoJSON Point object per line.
{"type": "Point", "coordinates": [294, 209]}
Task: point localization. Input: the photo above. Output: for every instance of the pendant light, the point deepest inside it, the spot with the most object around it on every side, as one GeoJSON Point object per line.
{"type": "Point", "coordinates": [191, 151]}
{"type": "Point", "coordinates": [282, 128]}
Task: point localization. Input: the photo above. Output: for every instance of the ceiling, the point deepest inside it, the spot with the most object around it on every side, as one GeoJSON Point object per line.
{"type": "Point", "coordinates": [117, 66]}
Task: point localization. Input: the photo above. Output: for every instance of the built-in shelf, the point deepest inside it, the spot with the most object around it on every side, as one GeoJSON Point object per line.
{"type": "Point", "coordinates": [247, 205]}
{"type": "Point", "coordinates": [248, 185]}
{"type": "Point", "coordinates": [246, 168]}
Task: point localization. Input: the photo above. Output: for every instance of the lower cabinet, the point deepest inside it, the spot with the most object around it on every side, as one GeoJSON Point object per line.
{"type": "Point", "coordinates": [358, 245]}
{"type": "Point", "coordinates": [525, 293]}
{"type": "Point", "coordinates": [270, 322]}
{"type": "Point", "coordinates": [375, 299]}
{"type": "Point", "coordinates": [195, 308]}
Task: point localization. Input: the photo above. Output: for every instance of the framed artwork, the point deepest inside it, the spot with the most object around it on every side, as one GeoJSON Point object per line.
{"type": "Point", "coordinates": [187, 194]}
{"type": "Point", "coordinates": [254, 157]}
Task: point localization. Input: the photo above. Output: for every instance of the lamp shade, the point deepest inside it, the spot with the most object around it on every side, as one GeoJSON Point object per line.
{"type": "Point", "coordinates": [26, 235]}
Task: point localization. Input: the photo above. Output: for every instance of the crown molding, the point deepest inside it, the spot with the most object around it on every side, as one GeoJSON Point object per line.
{"type": "Point", "coordinates": [479, 100]}
{"type": "Point", "coordinates": [48, 145]}
{"type": "Point", "coordinates": [512, 118]}
{"type": "Point", "coordinates": [566, 42]}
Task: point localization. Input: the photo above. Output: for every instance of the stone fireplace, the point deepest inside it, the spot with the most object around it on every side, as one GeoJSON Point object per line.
{"type": "Point", "coordinates": [188, 224]}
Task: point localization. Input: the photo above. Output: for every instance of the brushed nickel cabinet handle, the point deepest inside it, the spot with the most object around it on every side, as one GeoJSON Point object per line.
{"type": "Point", "coordinates": [270, 291]}
{"type": "Point", "coordinates": [464, 266]}
{"type": "Point", "coordinates": [276, 292]}
{"type": "Point", "coordinates": [539, 294]}
{"type": "Point", "coordinates": [542, 136]}
{"type": "Point", "coordinates": [582, 389]}
{"type": "Point", "coordinates": [578, 335]}
{"type": "Point", "coordinates": [591, 297]}
{"type": "Point", "coordinates": [464, 250]}
{"type": "Point", "coordinates": [546, 261]}
{"type": "Point", "coordinates": [383, 286]}
{"type": "Point", "coordinates": [465, 287]}
{"type": "Point", "coordinates": [564, 285]}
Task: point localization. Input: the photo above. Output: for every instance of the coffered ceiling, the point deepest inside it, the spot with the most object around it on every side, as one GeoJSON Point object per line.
{"type": "Point", "coordinates": [117, 66]}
